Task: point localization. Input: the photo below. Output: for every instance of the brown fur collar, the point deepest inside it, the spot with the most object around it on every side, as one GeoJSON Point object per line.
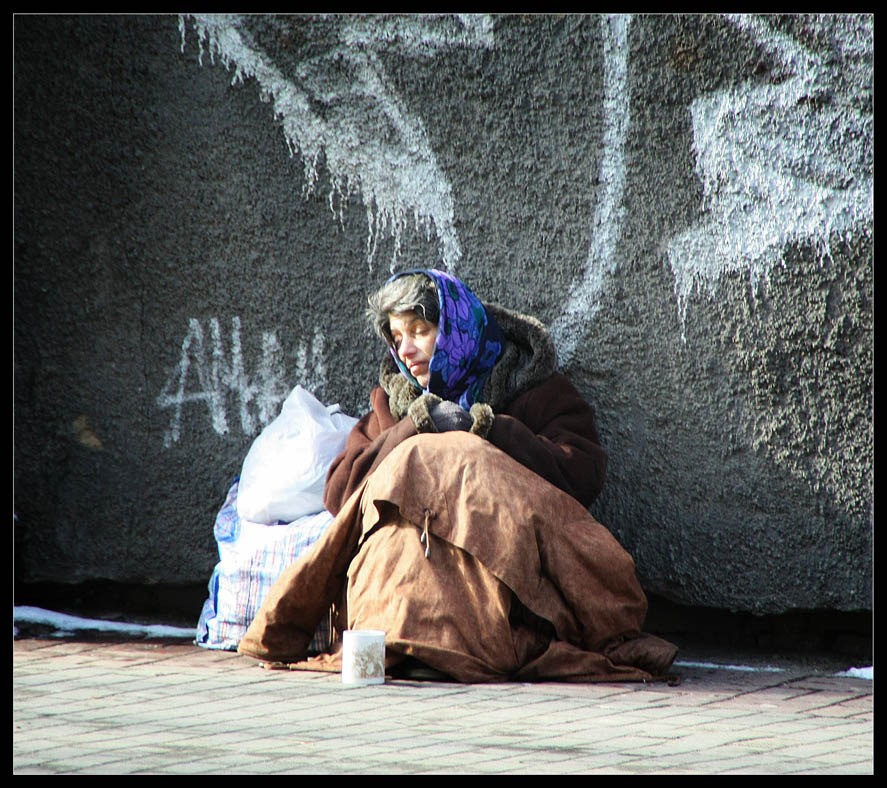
{"type": "Point", "coordinates": [528, 359]}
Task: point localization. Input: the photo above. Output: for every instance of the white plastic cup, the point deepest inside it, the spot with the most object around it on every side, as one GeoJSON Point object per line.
{"type": "Point", "coordinates": [363, 656]}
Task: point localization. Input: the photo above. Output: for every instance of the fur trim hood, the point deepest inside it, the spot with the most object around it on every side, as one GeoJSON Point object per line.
{"type": "Point", "coordinates": [528, 359]}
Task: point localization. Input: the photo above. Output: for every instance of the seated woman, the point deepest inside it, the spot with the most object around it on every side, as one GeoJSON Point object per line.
{"type": "Point", "coordinates": [461, 499]}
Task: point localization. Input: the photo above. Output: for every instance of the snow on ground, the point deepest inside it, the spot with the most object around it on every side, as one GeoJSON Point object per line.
{"type": "Point", "coordinates": [67, 624]}
{"type": "Point", "coordinates": [855, 673]}
{"type": "Point", "coordinates": [859, 673]}
{"type": "Point", "coordinates": [749, 668]}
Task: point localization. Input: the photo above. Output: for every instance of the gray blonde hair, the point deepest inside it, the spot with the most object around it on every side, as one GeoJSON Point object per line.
{"type": "Point", "coordinates": [409, 293]}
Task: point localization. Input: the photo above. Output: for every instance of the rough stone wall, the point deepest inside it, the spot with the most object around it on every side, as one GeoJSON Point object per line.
{"type": "Point", "coordinates": [201, 205]}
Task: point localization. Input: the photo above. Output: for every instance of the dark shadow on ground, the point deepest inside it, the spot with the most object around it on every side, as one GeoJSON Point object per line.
{"type": "Point", "coordinates": [817, 637]}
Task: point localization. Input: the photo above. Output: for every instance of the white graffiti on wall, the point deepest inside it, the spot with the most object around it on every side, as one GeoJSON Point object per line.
{"type": "Point", "coordinates": [341, 105]}
{"type": "Point", "coordinates": [400, 179]}
{"type": "Point", "coordinates": [606, 226]}
{"type": "Point", "coordinates": [208, 375]}
{"type": "Point", "coordinates": [782, 162]}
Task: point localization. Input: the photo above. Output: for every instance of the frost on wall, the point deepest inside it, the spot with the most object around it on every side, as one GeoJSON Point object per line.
{"type": "Point", "coordinates": [339, 104]}
{"type": "Point", "coordinates": [786, 162]}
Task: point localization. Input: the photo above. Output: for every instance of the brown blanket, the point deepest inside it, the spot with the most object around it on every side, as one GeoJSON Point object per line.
{"type": "Point", "coordinates": [520, 582]}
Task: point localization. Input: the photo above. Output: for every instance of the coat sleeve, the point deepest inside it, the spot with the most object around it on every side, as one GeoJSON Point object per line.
{"type": "Point", "coordinates": [551, 430]}
{"type": "Point", "coordinates": [369, 442]}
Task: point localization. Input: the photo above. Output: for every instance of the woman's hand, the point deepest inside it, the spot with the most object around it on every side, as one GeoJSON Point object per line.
{"type": "Point", "coordinates": [448, 417]}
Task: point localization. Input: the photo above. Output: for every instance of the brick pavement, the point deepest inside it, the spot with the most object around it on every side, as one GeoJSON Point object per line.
{"type": "Point", "coordinates": [154, 707]}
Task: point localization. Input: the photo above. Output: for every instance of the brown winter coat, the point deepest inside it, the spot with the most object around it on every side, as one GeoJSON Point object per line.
{"type": "Point", "coordinates": [519, 583]}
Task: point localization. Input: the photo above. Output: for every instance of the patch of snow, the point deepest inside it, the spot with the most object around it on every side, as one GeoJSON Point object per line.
{"type": "Point", "coordinates": [859, 673]}
{"type": "Point", "coordinates": [748, 668]}
{"type": "Point", "coordinates": [69, 624]}
{"type": "Point", "coordinates": [856, 673]}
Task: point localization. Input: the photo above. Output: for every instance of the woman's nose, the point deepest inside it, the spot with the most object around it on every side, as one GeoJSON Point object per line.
{"type": "Point", "coordinates": [407, 348]}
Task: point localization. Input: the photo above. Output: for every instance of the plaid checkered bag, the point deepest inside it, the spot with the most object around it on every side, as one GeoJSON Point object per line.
{"type": "Point", "coordinates": [252, 557]}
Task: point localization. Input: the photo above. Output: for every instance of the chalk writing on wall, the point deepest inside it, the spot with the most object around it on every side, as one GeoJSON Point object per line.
{"type": "Point", "coordinates": [211, 373]}
{"type": "Point", "coordinates": [785, 161]}
{"type": "Point", "coordinates": [340, 105]}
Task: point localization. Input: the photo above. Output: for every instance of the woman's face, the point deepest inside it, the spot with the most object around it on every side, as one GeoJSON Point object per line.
{"type": "Point", "coordinates": [414, 339]}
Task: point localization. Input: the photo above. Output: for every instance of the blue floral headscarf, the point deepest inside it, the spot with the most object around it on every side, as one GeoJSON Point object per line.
{"type": "Point", "coordinates": [468, 344]}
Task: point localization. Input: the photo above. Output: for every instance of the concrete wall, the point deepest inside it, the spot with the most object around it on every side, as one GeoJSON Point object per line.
{"type": "Point", "coordinates": [201, 205]}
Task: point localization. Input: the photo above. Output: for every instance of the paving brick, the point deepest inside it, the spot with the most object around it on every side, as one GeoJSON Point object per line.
{"type": "Point", "coordinates": [141, 708]}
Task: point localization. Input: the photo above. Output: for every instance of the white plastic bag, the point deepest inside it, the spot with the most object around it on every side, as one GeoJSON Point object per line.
{"type": "Point", "coordinates": [285, 470]}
